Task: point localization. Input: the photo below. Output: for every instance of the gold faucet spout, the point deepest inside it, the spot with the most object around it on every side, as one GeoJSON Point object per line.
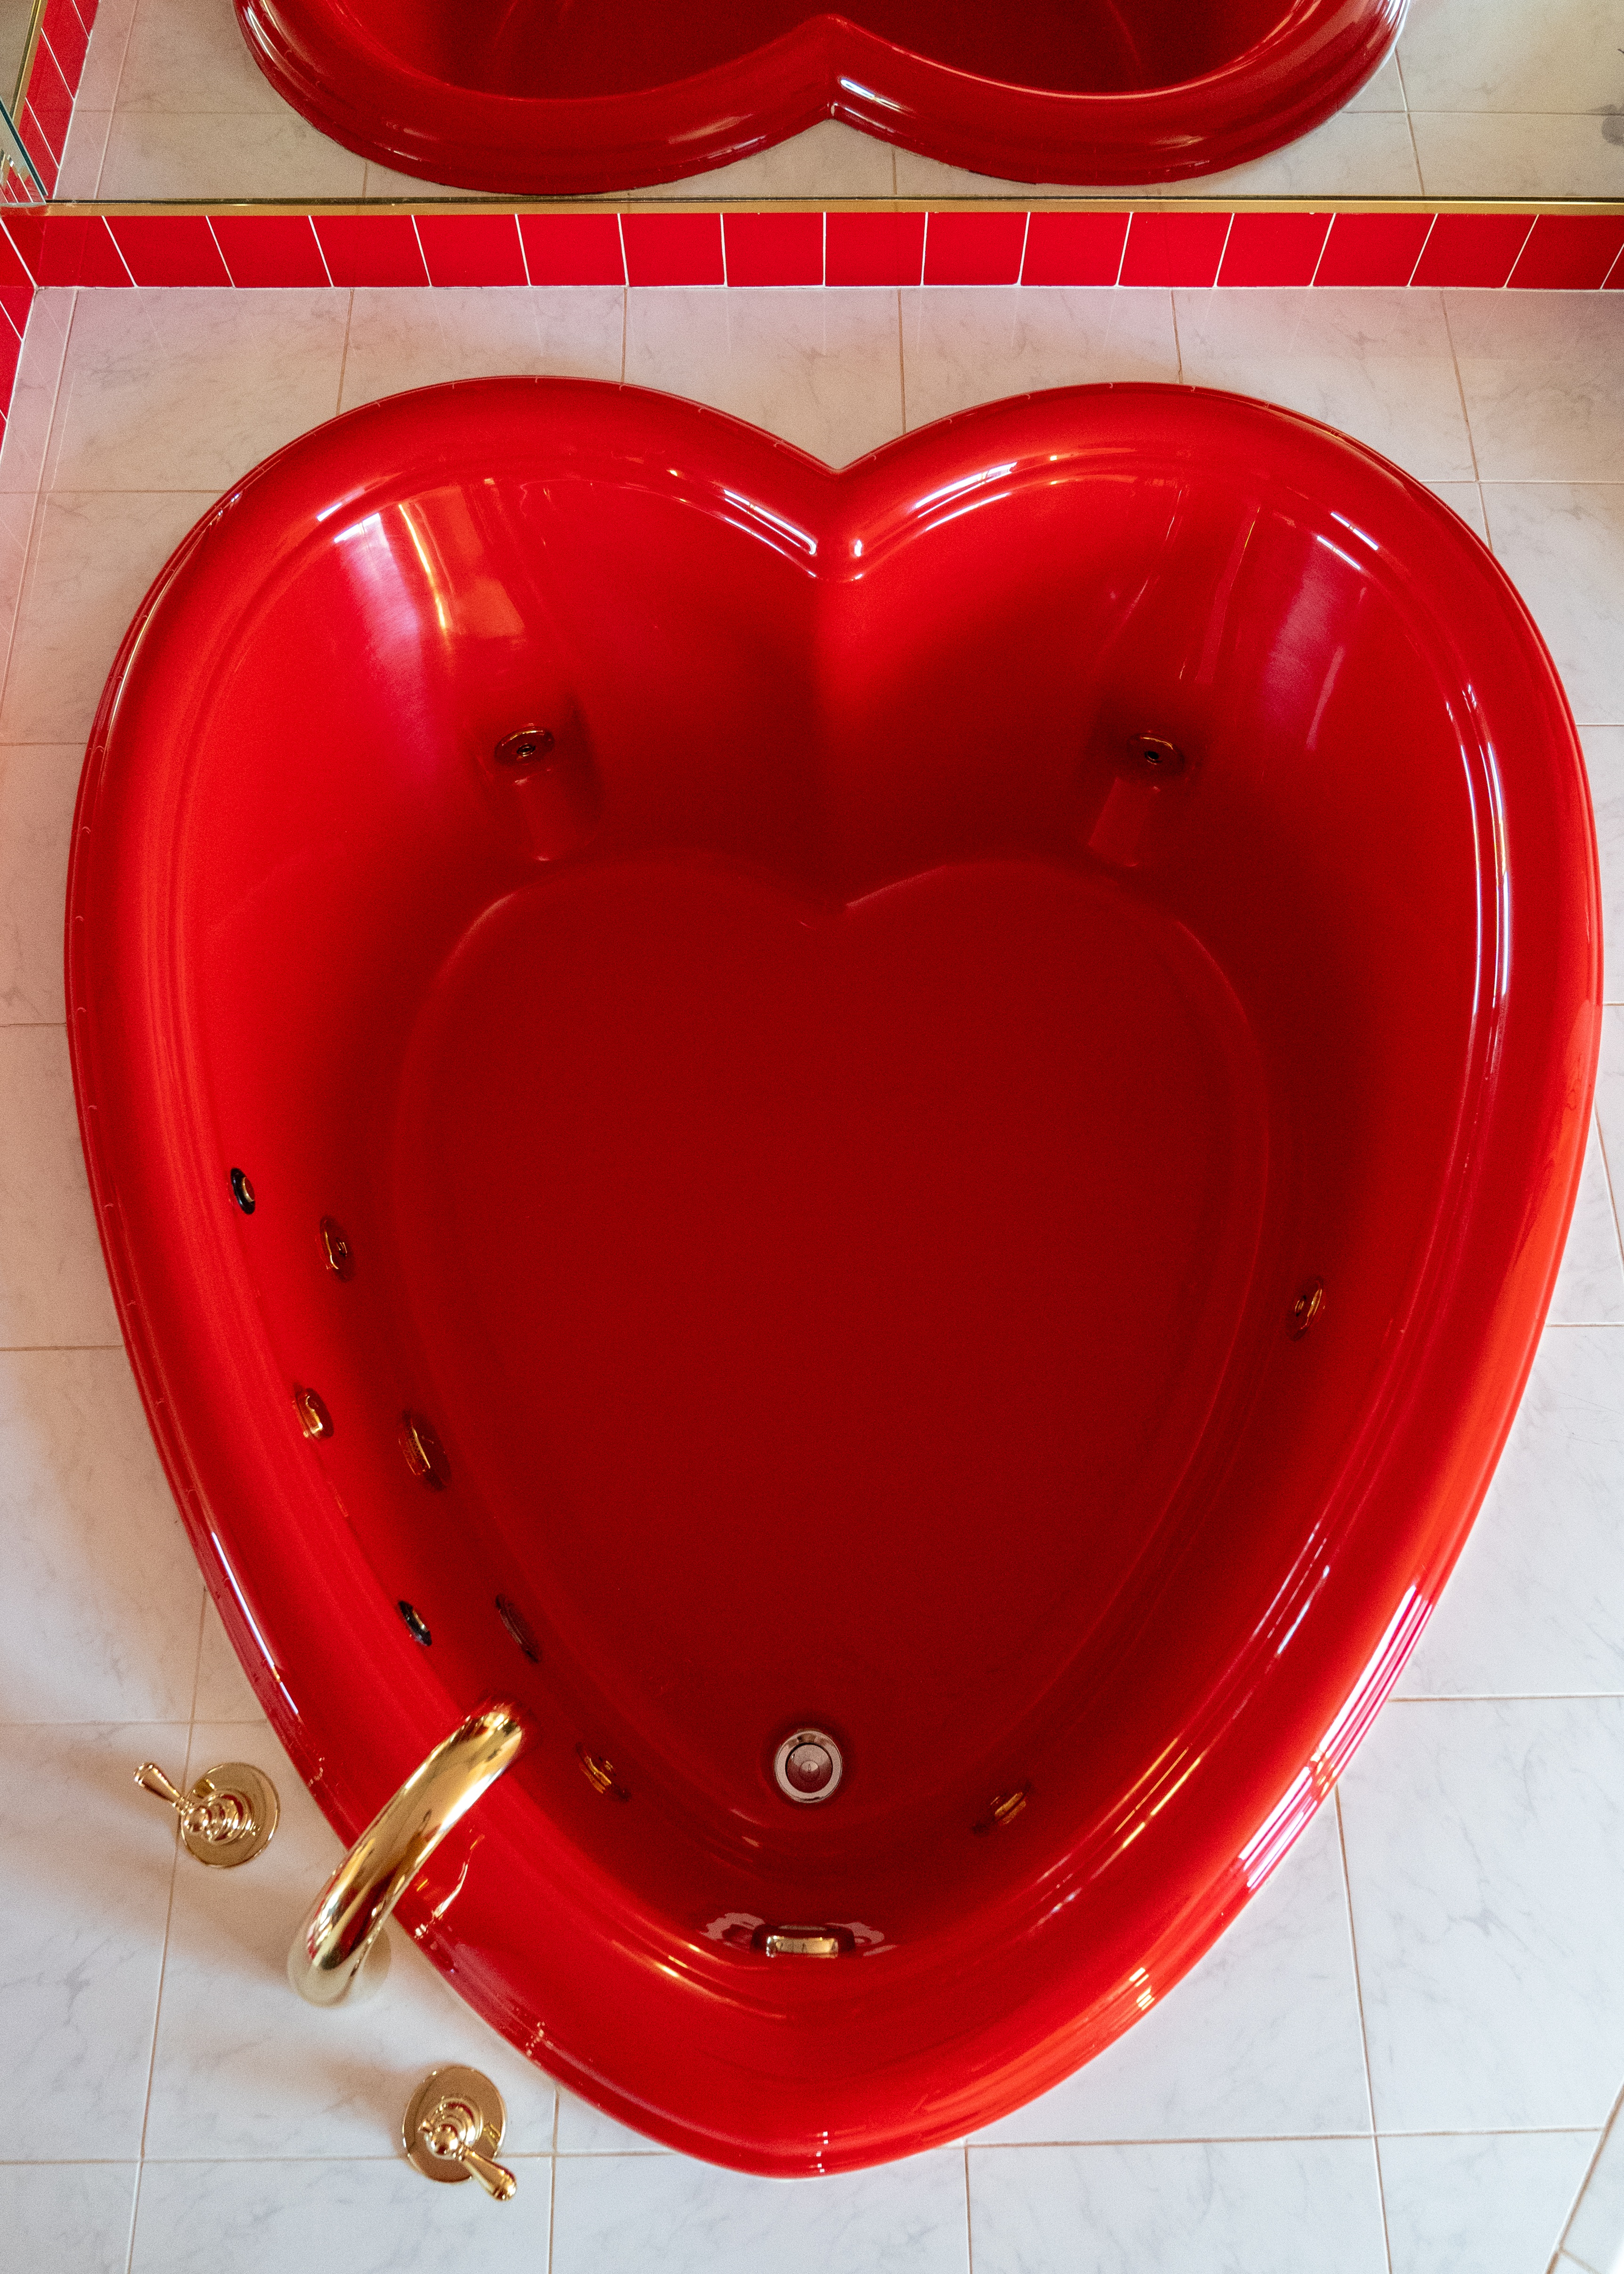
{"type": "Point", "coordinates": [331, 1947]}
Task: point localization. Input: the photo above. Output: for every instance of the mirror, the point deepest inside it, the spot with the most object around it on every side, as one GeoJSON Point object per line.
{"type": "Point", "coordinates": [1477, 100]}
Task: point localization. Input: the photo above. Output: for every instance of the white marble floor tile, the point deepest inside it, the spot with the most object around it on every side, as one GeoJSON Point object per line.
{"type": "Point", "coordinates": [224, 1693]}
{"type": "Point", "coordinates": [101, 1605]}
{"type": "Point", "coordinates": [53, 1284]}
{"type": "Point", "coordinates": [412, 338]}
{"type": "Point", "coordinates": [310, 2218]}
{"type": "Point", "coordinates": [1604, 758]}
{"type": "Point", "coordinates": [85, 1865]}
{"type": "Point", "coordinates": [104, 60]}
{"type": "Point", "coordinates": [1246, 2207]}
{"type": "Point", "coordinates": [1384, 90]}
{"type": "Point", "coordinates": [243, 2068]}
{"type": "Point", "coordinates": [1610, 1086]}
{"type": "Point", "coordinates": [173, 390]}
{"type": "Point", "coordinates": [68, 2218]}
{"type": "Point", "coordinates": [1596, 2232]}
{"type": "Point", "coordinates": [1378, 364]}
{"type": "Point", "coordinates": [583, 2130]}
{"type": "Point", "coordinates": [33, 393]}
{"type": "Point", "coordinates": [95, 552]}
{"type": "Point", "coordinates": [1512, 154]}
{"type": "Point", "coordinates": [821, 368]}
{"type": "Point", "coordinates": [223, 154]}
{"type": "Point", "coordinates": [1263, 2038]}
{"type": "Point", "coordinates": [1358, 153]}
{"type": "Point", "coordinates": [1543, 375]}
{"type": "Point", "coordinates": [966, 345]}
{"type": "Point", "coordinates": [38, 782]}
{"type": "Point", "coordinates": [1566, 2264]}
{"type": "Point", "coordinates": [1590, 1287]}
{"type": "Point", "coordinates": [628, 2214]}
{"type": "Point", "coordinates": [1479, 2203]}
{"type": "Point", "coordinates": [190, 55]}
{"type": "Point", "coordinates": [80, 171]}
{"type": "Point", "coordinates": [1486, 1847]}
{"type": "Point", "coordinates": [1510, 55]}
{"type": "Point", "coordinates": [1466, 499]}
{"type": "Point", "coordinates": [1563, 544]}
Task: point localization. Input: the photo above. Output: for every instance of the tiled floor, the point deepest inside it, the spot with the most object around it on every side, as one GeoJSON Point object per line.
{"type": "Point", "coordinates": [1401, 2057]}
{"type": "Point", "coordinates": [1484, 98]}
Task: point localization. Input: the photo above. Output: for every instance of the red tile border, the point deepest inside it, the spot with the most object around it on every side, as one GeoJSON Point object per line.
{"type": "Point", "coordinates": [1475, 249]}
{"type": "Point", "coordinates": [773, 249]}
{"type": "Point", "coordinates": [1280, 248]}
{"type": "Point", "coordinates": [1570, 253]}
{"type": "Point", "coordinates": [472, 248]}
{"type": "Point", "coordinates": [975, 248]}
{"type": "Point", "coordinates": [572, 248]}
{"type": "Point", "coordinates": [157, 251]}
{"type": "Point", "coordinates": [51, 98]}
{"type": "Point", "coordinates": [1373, 248]}
{"type": "Point", "coordinates": [1182, 248]}
{"type": "Point", "coordinates": [1066, 248]}
{"type": "Point", "coordinates": [370, 248]}
{"type": "Point", "coordinates": [66, 248]}
{"type": "Point", "coordinates": [16, 300]}
{"type": "Point", "coordinates": [64, 33]}
{"type": "Point", "coordinates": [674, 248]}
{"type": "Point", "coordinates": [876, 248]}
{"type": "Point", "coordinates": [269, 252]}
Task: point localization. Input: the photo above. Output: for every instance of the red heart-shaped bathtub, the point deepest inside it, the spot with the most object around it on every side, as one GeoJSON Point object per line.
{"type": "Point", "coordinates": [541, 98]}
{"type": "Point", "coordinates": [946, 1100]}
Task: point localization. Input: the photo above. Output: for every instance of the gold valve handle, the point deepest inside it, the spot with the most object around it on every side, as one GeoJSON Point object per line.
{"type": "Point", "coordinates": [229, 1815]}
{"type": "Point", "coordinates": [151, 1778]}
{"type": "Point", "coordinates": [454, 2121]}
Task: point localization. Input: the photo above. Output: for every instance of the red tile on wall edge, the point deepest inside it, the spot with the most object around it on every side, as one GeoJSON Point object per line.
{"type": "Point", "coordinates": [168, 249]}
{"type": "Point", "coordinates": [1280, 248]}
{"type": "Point", "coordinates": [31, 134]}
{"type": "Point", "coordinates": [572, 248]}
{"type": "Point", "coordinates": [16, 300]}
{"type": "Point", "coordinates": [1370, 248]}
{"type": "Point", "coordinates": [1181, 248]}
{"type": "Point", "coordinates": [1472, 249]}
{"type": "Point", "coordinates": [972, 248]}
{"type": "Point", "coordinates": [269, 251]}
{"type": "Point", "coordinates": [371, 248]}
{"type": "Point", "coordinates": [51, 99]}
{"type": "Point", "coordinates": [67, 38]}
{"type": "Point", "coordinates": [14, 272]}
{"type": "Point", "coordinates": [67, 249]}
{"type": "Point", "coordinates": [874, 248]}
{"type": "Point", "coordinates": [1570, 253]}
{"type": "Point", "coordinates": [1070, 248]}
{"type": "Point", "coordinates": [673, 248]}
{"type": "Point", "coordinates": [10, 347]}
{"type": "Point", "coordinates": [764, 248]}
{"type": "Point", "coordinates": [472, 248]}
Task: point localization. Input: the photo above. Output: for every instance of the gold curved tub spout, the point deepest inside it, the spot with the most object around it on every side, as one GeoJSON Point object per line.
{"type": "Point", "coordinates": [330, 1948]}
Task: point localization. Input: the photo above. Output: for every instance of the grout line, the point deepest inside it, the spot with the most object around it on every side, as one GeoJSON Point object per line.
{"type": "Point", "coordinates": [1178, 345]}
{"type": "Point", "coordinates": [135, 2212]}
{"type": "Point", "coordinates": [552, 2187]}
{"type": "Point", "coordinates": [1459, 384]}
{"type": "Point", "coordinates": [1590, 2172]}
{"type": "Point", "coordinates": [343, 359]}
{"type": "Point", "coordinates": [1606, 1170]}
{"type": "Point", "coordinates": [625, 322]}
{"type": "Point", "coordinates": [196, 1669]}
{"type": "Point", "coordinates": [902, 362]}
{"type": "Point", "coordinates": [1359, 1993]}
{"type": "Point", "coordinates": [969, 2221]}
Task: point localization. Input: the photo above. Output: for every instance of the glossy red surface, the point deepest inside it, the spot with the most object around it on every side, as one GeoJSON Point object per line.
{"type": "Point", "coordinates": [544, 98]}
{"type": "Point", "coordinates": [832, 1148]}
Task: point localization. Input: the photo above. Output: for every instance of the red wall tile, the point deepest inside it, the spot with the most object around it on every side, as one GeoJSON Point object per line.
{"type": "Point", "coordinates": [1282, 248]}
{"type": "Point", "coordinates": [169, 249]}
{"type": "Point", "coordinates": [51, 99]}
{"type": "Point", "coordinates": [572, 248]}
{"type": "Point", "coordinates": [975, 248]}
{"type": "Point", "coordinates": [1615, 281]}
{"type": "Point", "coordinates": [371, 248]}
{"type": "Point", "coordinates": [67, 38]}
{"type": "Point", "coordinates": [1174, 248]}
{"type": "Point", "coordinates": [1571, 252]}
{"type": "Point", "coordinates": [874, 248]}
{"type": "Point", "coordinates": [16, 300]}
{"type": "Point", "coordinates": [1477, 249]}
{"type": "Point", "coordinates": [61, 249]}
{"type": "Point", "coordinates": [34, 140]}
{"type": "Point", "coordinates": [774, 248]}
{"type": "Point", "coordinates": [673, 248]}
{"type": "Point", "coordinates": [10, 347]}
{"type": "Point", "coordinates": [273, 250]}
{"type": "Point", "coordinates": [1066, 248]}
{"type": "Point", "coordinates": [472, 248]}
{"type": "Point", "coordinates": [1371, 248]}
{"type": "Point", "coordinates": [14, 270]}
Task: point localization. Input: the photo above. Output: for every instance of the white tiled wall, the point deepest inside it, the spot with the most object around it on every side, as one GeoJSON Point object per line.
{"type": "Point", "coordinates": [1483, 98]}
{"type": "Point", "coordinates": [1399, 2061]}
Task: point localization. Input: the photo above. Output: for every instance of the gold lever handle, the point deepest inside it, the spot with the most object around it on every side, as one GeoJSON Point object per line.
{"type": "Point", "coordinates": [453, 2127]}
{"type": "Point", "coordinates": [229, 1815]}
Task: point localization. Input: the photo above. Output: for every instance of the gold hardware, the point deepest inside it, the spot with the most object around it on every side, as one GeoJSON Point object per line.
{"type": "Point", "coordinates": [424, 1454]}
{"type": "Point", "coordinates": [1157, 757]}
{"type": "Point", "coordinates": [1307, 1308]}
{"type": "Point", "coordinates": [229, 1815]}
{"type": "Point", "coordinates": [347, 1916]}
{"type": "Point", "coordinates": [599, 1774]}
{"type": "Point", "coordinates": [803, 1942]}
{"type": "Point", "coordinates": [452, 2128]}
{"type": "Point", "coordinates": [1005, 1809]}
{"type": "Point", "coordinates": [527, 748]}
{"type": "Point", "coordinates": [336, 1249]}
{"type": "Point", "coordinates": [314, 1418]}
